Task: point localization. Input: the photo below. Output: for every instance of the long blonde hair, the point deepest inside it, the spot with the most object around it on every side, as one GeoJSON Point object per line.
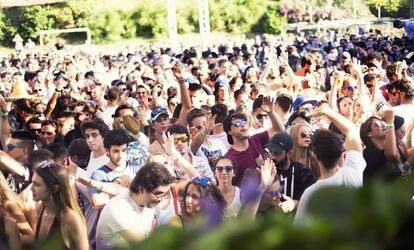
{"type": "Point", "coordinates": [294, 133]}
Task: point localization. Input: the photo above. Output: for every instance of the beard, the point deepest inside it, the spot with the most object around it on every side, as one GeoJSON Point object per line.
{"type": "Point", "coordinates": [281, 163]}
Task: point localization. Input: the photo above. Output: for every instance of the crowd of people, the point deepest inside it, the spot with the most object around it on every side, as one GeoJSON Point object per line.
{"type": "Point", "coordinates": [100, 149]}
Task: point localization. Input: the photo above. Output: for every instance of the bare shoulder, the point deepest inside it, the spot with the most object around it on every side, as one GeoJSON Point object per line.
{"type": "Point", "coordinates": [71, 218]}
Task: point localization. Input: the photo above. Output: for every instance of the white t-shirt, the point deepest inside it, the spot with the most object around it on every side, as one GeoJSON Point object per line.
{"type": "Point", "coordinates": [406, 111]}
{"type": "Point", "coordinates": [122, 213]}
{"type": "Point", "coordinates": [214, 147]}
{"type": "Point", "coordinates": [106, 116]}
{"type": "Point", "coordinates": [350, 175]}
{"type": "Point", "coordinates": [221, 137]}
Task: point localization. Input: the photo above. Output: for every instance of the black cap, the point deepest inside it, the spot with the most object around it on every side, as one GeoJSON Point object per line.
{"type": "Point", "coordinates": [280, 142]}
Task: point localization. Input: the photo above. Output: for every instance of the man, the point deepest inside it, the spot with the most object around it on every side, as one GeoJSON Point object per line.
{"type": "Point", "coordinates": [221, 112]}
{"type": "Point", "coordinates": [248, 151]}
{"type": "Point", "coordinates": [160, 122]}
{"type": "Point", "coordinates": [294, 177]}
{"type": "Point", "coordinates": [181, 142]}
{"type": "Point", "coordinates": [329, 151]}
{"type": "Point", "coordinates": [404, 92]}
{"type": "Point", "coordinates": [201, 143]}
{"type": "Point", "coordinates": [408, 27]}
{"type": "Point", "coordinates": [380, 151]}
{"type": "Point", "coordinates": [129, 217]}
{"type": "Point", "coordinates": [19, 147]}
{"type": "Point", "coordinates": [65, 122]}
{"type": "Point", "coordinates": [116, 170]}
{"type": "Point", "coordinates": [49, 133]}
{"type": "Point", "coordinates": [113, 97]}
{"type": "Point", "coordinates": [260, 119]}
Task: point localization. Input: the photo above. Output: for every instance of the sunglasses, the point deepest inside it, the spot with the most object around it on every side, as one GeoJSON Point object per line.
{"type": "Point", "coordinates": [369, 86]}
{"type": "Point", "coordinates": [394, 93]}
{"type": "Point", "coordinates": [46, 133]}
{"type": "Point", "coordinates": [261, 116]}
{"type": "Point", "coordinates": [198, 127]}
{"type": "Point", "coordinates": [239, 123]}
{"type": "Point", "coordinates": [10, 147]}
{"type": "Point", "coordinates": [35, 130]}
{"type": "Point", "coordinates": [351, 88]}
{"type": "Point", "coordinates": [275, 193]}
{"type": "Point", "coordinates": [305, 135]}
{"type": "Point", "coordinates": [202, 180]}
{"type": "Point", "coordinates": [228, 169]}
{"type": "Point", "coordinates": [183, 139]}
{"type": "Point", "coordinates": [37, 90]}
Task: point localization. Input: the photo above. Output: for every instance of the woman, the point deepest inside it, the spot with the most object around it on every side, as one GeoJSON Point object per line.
{"type": "Point", "coordinates": [301, 134]}
{"type": "Point", "coordinates": [13, 214]}
{"type": "Point", "coordinates": [224, 171]}
{"type": "Point", "coordinates": [60, 218]}
{"type": "Point", "coordinates": [201, 199]}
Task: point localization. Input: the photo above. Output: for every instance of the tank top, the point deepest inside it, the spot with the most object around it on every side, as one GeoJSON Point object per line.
{"type": "Point", "coordinates": [54, 234]}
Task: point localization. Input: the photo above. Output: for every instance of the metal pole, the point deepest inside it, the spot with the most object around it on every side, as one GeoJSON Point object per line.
{"type": "Point", "coordinates": [204, 20]}
{"type": "Point", "coordinates": [172, 25]}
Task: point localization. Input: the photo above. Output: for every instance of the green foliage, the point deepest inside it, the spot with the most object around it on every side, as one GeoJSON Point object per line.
{"type": "Point", "coordinates": [271, 21]}
{"type": "Point", "coordinates": [389, 5]}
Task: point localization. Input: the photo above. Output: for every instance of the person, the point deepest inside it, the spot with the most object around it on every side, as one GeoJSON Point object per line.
{"type": "Point", "coordinates": [59, 214]}
{"type": "Point", "coordinates": [65, 122]}
{"type": "Point", "coordinates": [329, 148]}
{"type": "Point", "coordinates": [200, 194]}
{"type": "Point", "coordinates": [137, 220]}
{"type": "Point", "coordinates": [407, 25]}
{"type": "Point", "coordinates": [13, 208]}
{"type": "Point", "coordinates": [160, 122]}
{"type": "Point", "coordinates": [224, 171]}
{"type": "Point", "coordinates": [404, 92]}
{"type": "Point", "coordinates": [380, 153]}
{"type": "Point", "coordinates": [49, 133]}
{"type": "Point", "coordinates": [248, 152]}
{"type": "Point", "coordinates": [294, 177]}
{"type": "Point", "coordinates": [181, 138]}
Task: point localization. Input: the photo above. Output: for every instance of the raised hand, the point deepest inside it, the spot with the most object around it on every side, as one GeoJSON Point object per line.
{"type": "Point", "coordinates": [268, 104]}
{"type": "Point", "coordinates": [211, 125]}
{"type": "Point", "coordinates": [169, 144]}
{"type": "Point", "coordinates": [267, 172]}
{"type": "Point", "coordinates": [178, 73]}
{"type": "Point", "coordinates": [4, 106]}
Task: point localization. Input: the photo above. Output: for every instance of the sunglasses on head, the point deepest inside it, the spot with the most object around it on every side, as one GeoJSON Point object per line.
{"type": "Point", "coordinates": [239, 123]}
{"type": "Point", "coordinates": [305, 135]}
{"type": "Point", "coordinates": [10, 147]}
{"type": "Point", "coordinates": [261, 116]}
{"type": "Point", "coordinates": [183, 139]}
{"type": "Point", "coordinates": [228, 169]}
{"type": "Point", "coordinates": [202, 180]}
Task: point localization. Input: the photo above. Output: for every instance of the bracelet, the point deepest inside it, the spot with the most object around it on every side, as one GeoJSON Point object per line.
{"type": "Point", "coordinates": [323, 111]}
{"type": "Point", "coordinates": [98, 185]}
{"type": "Point", "coordinates": [4, 114]}
{"type": "Point", "coordinates": [57, 91]}
{"type": "Point", "coordinates": [389, 126]}
{"type": "Point", "coordinates": [181, 81]}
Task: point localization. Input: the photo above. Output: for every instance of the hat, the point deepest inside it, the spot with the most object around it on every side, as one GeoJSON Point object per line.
{"type": "Point", "coordinates": [296, 104]}
{"type": "Point", "coordinates": [313, 102]}
{"type": "Point", "coordinates": [129, 124]}
{"type": "Point", "coordinates": [157, 112]}
{"type": "Point", "coordinates": [280, 142]}
{"type": "Point", "coordinates": [20, 92]}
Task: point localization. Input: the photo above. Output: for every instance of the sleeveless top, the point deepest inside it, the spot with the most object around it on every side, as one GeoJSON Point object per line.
{"type": "Point", "coordinates": [54, 236]}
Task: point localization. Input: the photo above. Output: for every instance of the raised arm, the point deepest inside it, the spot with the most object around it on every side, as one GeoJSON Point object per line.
{"type": "Point", "coordinates": [5, 125]}
{"type": "Point", "coordinates": [185, 96]}
{"type": "Point", "coordinates": [277, 123]}
{"type": "Point", "coordinates": [352, 139]}
{"type": "Point", "coordinates": [390, 148]}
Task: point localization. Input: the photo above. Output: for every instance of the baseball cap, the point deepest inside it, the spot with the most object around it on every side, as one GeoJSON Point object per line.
{"type": "Point", "coordinates": [155, 113]}
{"type": "Point", "coordinates": [280, 142]}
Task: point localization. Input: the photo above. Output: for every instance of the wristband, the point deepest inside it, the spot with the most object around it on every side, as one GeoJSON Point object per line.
{"type": "Point", "coordinates": [4, 114]}
{"type": "Point", "coordinates": [57, 91]}
{"type": "Point", "coordinates": [389, 126]}
{"type": "Point", "coordinates": [181, 81]}
{"type": "Point", "coordinates": [323, 111]}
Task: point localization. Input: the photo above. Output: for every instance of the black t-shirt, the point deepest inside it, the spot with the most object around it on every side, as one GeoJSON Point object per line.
{"type": "Point", "coordinates": [378, 165]}
{"type": "Point", "coordinates": [295, 179]}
